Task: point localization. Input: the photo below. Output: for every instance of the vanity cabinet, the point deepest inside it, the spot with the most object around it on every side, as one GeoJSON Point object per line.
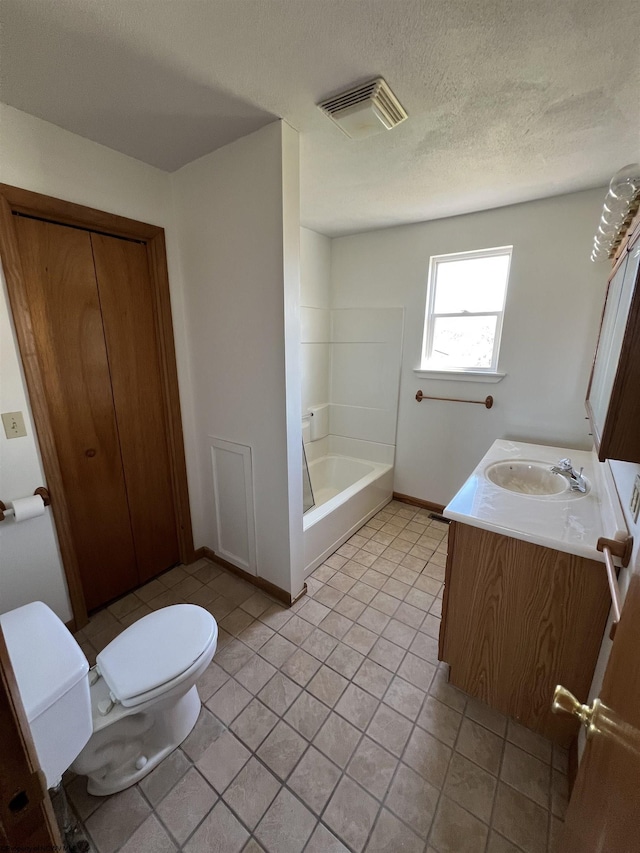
{"type": "Point", "coordinates": [613, 396]}
{"type": "Point", "coordinates": [517, 620]}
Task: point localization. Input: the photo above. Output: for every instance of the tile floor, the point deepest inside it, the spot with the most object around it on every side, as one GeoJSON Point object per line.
{"type": "Point", "coordinates": [330, 727]}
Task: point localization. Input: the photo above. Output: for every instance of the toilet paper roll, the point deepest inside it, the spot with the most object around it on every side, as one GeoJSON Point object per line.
{"type": "Point", "coordinates": [26, 508]}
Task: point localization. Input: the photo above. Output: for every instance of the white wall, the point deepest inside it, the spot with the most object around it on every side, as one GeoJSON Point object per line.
{"type": "Point", "coordinates": [236, 211]}
{"type": "Point", "coordinates": [41, 157]}
{"type": "Point", "coordinates": [553, 309]}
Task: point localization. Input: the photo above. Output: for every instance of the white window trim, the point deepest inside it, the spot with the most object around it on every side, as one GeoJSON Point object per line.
{"type": "Point", "coordinates": [476, 374]}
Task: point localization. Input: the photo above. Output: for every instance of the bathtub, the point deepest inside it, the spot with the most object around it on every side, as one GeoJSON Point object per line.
{"type": "Point", "coordinates": [347, 493]}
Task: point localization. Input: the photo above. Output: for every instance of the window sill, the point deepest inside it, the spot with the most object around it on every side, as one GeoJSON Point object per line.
{"type": "Point", "coordinates": [460, 375]}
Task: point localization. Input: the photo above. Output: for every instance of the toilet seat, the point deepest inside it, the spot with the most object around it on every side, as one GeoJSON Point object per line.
{"type": "Point", "coordinates": [157, 653]}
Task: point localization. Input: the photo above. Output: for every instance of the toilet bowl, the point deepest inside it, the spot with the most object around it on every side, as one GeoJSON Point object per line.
{"type": "Point", "coordinates": [139, 702]}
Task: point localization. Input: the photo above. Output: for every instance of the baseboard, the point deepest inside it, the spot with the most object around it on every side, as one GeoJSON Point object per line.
{"type": "Point", "coordinates": [71, 625]}
{"type": "Point", "coordinates": [265, 585]}
{"type": "Point", "coordinates": [407, 499]}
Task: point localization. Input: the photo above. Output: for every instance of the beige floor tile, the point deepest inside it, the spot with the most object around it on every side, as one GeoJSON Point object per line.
{"type": "Point", "coordinates": [385, 603]}
{"type": "Point", "coordinates": [306, 715]}
{"type": "Point", "coordinates": [373, 678]}
{"type": "Point", "coordinates": [345, 660]}
{"type": "Point", "coordinates": [486, 716]}
{"type": "Point", "coordinates": [556, 827]}
{"type": "Point", "coordinates": [301, 667]}
{"type": "Point", "coordinates": [115, 821]}
{"type": "Point", "coordinates": [223, 760]}
{"type": "Point", "coordinates": [236, 621]}
{"type": "Point", "coordinates": [520, 820]}
{"type": "Point", "coordinates": [184, 807]}
{"type": "Point", "coordinates": [211, 680]}
{"type": "Point", "coordinates": [366, 557]}
{"type": "Point", "coordinates": [559, 794]}
{"type": "Point", "coordinates": [471, 787]}
{"type": "Point", "coordinates": [425, 647]}
{"type": "Point", "coordinates": [447, 693]}
{"type": "Point", "coordinates": [320, 644]}
{"type": "Point", "coordinates": [395, 588]}
{"type": "Point", "coordinates": [323, 841]}
{"type": "Point", "coordinates": [220, 606]}
{"type": "Point", "coordinates": [362, 592]}
{"type": "Point", "coordinates": [373, 767]}
{"type": "Point", "coordinates": [254, 724]}
{"type": "Point", "coordinates": [337, 739]}
{"type": "Point", "coordinates": [387, 654]}
{"type": "Point", "coordinates": [529, 741]}
{"type": "Point", "coordinates": [359, 638]}
{"type": "Point", "coordinates": [252, 792]}
{"type": "Point", "coordinates": [287, 825]}
{"type": "Point", "coordinates": [207, 729]}
{"type": "Point", "coordinates": [410, 615]}
{"type": "Point", "coordinates": [277, 650]}
{"type": "Point", "coordinates": [328, 595]}
{"type": "Point", "coordinates": [313, 611]}
{"type": "Point", "coordinates": [389, 729]}
{"type": "Point", "coordinates": [282, 749]}
{"type": "Point", "coordinates": [413, 799]}
{"type": "Point", "coordinates": [498, 844]}
{"type": "Point", "coordinates": [374, 620]}
{"type": "Point", "coordinates": [417, 671]}
{"type": "Point", "coordinates": [323, 573]}
{"type": "Point", "coordinates": [457, 831]}
{"type": "Point", "coordinates": [83, 803]}
{"type": "Point", "coordinates": [399, 633]}
{"type": "Point", "coordinates": [227, 702]}
{"type": "Point", "coordinates": [168, 773]}
{"type": "Point", "coordinates": [336, 624]}
{"type": "Point", "coordinates": [391, 836]}
{"type": "Point", "coordinates": [252, 846]}
{"type": "Point", "coordinates": [220, 832]}
{"type": "Point", "coordinates": [357, 706]}
{"type": "Point", "coordinates": [255, 674]}
{"type": "Point", "coordinates": [351, 813]}
{"type": "Point", "coordinates": [335, 561]}
{"type": "Point", "coordinates": [280, 693]}
{"type": "Point", "coordinates": [150, 836]}
{"type": "Point", "coordinates": [276, 616]}
{"type": "Point", "coordinates": [354, 569]}
{"type": "Point", "coordinates": [342, 582]}
{"type": "Point", "coordinates": [480, 745]}
{"type": "Point", "coordinates": [296, 630]}
{"type": "Point", "coordinates": [431, 626]}
{"type": "Point", "coordinates": [404, 697]}
{"type": "Point", "coordinates": [327, 685]}
{"type": "Point", "coordinates": [347, 550]}
{"type": "Point", "coordinates": [314, 779]}
{"type": "Point", "coordinates": [526, 774]}
{"type": "Point", "coordinates": [256, 635]}
{"type": "Point", "coordinates": [427, 756]}
{"type": "Point", "coordinates": [256, 604]}
{"type": "Point", "coordinates": [234, 656]}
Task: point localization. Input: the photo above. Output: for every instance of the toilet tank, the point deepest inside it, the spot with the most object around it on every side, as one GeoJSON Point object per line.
{"type": "Point", "coordinates": [51, 673]}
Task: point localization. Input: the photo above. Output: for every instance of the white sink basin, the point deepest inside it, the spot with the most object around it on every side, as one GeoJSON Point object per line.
{"type": "Point", "coordinates": [528, 478]}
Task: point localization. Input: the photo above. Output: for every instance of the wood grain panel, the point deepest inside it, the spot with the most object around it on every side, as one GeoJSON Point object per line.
{"type": "Point", "coordinates": [60, 284]}
{"type": "Point", "coordinates": [126, 298]}
{"type": "Point", "coordinates": [520, 619]}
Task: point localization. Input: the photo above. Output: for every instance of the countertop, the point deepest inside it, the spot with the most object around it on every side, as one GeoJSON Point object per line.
{"type": "Point", "coordinates": [571, 524]}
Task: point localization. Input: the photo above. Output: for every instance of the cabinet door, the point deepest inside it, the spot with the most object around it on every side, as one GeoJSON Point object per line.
{"type": "Point", "coordinates": [60, 282]}
{"type": "Point", "coordinates": [126, 298]}
{"type": "Point", "coordinates": [613, 401]}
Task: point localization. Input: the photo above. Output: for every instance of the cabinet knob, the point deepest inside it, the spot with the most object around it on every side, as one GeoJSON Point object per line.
{"type": "Point", "coordinates": [90, 452]}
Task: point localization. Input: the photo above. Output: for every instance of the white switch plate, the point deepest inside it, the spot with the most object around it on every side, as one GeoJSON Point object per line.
{"type": "Point", "coordinates": [13, 424]}
{"type": "Point", "coordinates": [634, 504]}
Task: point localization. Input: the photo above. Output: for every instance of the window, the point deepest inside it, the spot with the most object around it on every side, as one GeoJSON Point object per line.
{"type": "Point", "coordinates": [465, 304]}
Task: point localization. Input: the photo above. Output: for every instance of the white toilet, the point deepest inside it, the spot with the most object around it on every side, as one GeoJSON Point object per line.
{"type": "Point", "coordinates": [116, 722]}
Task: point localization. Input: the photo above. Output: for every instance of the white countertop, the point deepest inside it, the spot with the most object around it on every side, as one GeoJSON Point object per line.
{"type": "Point", "coordinates": [571, 524]}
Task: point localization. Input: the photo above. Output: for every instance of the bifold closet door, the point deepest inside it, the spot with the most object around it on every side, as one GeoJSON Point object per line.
{"type": "Point", "coordinates": [64, 304]}
{"type": "Point", "coordinates": [126, 298]}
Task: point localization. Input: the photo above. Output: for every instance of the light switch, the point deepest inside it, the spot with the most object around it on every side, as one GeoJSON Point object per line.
{"type": "Point", "coordinates": [13, 424]}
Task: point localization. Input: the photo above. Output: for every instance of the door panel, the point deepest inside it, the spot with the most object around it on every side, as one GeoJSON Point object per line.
{"type": "Point", "coordinates": [604, 812]}
{"type": "Point", "coordinates": [61, 288]}
{"type": "Point", "coordinates": [126, 298]}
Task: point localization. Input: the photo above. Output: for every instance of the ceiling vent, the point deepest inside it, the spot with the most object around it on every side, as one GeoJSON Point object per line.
{"type": "Point", "coordinates": [364, 110]}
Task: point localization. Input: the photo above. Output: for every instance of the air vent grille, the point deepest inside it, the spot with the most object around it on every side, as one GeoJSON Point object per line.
{"type": "Point", "coordinates": [365, 109]}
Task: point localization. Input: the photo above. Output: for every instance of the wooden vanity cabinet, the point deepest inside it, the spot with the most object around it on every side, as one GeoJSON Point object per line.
{"type": "Point", "coordinates": [613, 396]}
{"type": "Point", "coordinates": [517, 620]}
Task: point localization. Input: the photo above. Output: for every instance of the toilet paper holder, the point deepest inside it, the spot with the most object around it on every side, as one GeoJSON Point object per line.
{"type": "Point", "coordinates": [44, 494]}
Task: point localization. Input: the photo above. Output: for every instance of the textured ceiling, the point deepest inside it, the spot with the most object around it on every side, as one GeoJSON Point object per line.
{"type": "Point", "coordinates": [508, 100]}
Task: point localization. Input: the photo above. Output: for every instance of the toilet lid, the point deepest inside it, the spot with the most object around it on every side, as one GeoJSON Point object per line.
{"type": "Point", "coordinates": [156, 649]}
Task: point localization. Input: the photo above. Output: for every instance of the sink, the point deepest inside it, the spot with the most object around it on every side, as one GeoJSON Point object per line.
{"type": "Point", "coordinates": [528, 478]}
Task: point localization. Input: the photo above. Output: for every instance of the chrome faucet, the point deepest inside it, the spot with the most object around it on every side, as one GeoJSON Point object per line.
{"type": "Point", "coordinates": [577, 482]}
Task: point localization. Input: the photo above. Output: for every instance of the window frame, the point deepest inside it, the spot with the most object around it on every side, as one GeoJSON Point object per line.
{"type": "Point", "coordinates": [426, 363]}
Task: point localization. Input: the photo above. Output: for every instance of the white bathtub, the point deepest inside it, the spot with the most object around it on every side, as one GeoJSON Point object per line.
{"type": "Point", "coordinates": [347, 493]}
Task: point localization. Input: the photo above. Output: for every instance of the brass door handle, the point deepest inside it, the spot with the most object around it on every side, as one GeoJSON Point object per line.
{"type": "Point", "coordinates": [564, 702]}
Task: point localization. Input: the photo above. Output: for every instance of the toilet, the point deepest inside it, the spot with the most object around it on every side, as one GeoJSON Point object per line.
{"type": "Point", "coordinates": [115, 722]}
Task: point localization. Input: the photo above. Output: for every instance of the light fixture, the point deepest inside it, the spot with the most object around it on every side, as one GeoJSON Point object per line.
{"type": "Point", "coordinates": [620, 206]}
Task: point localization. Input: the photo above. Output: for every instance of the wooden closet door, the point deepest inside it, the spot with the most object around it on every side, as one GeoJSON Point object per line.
{"type": "Point", "coordinates": [126, 298]}
{"type": "Point", "coordinates": [60, 282]}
